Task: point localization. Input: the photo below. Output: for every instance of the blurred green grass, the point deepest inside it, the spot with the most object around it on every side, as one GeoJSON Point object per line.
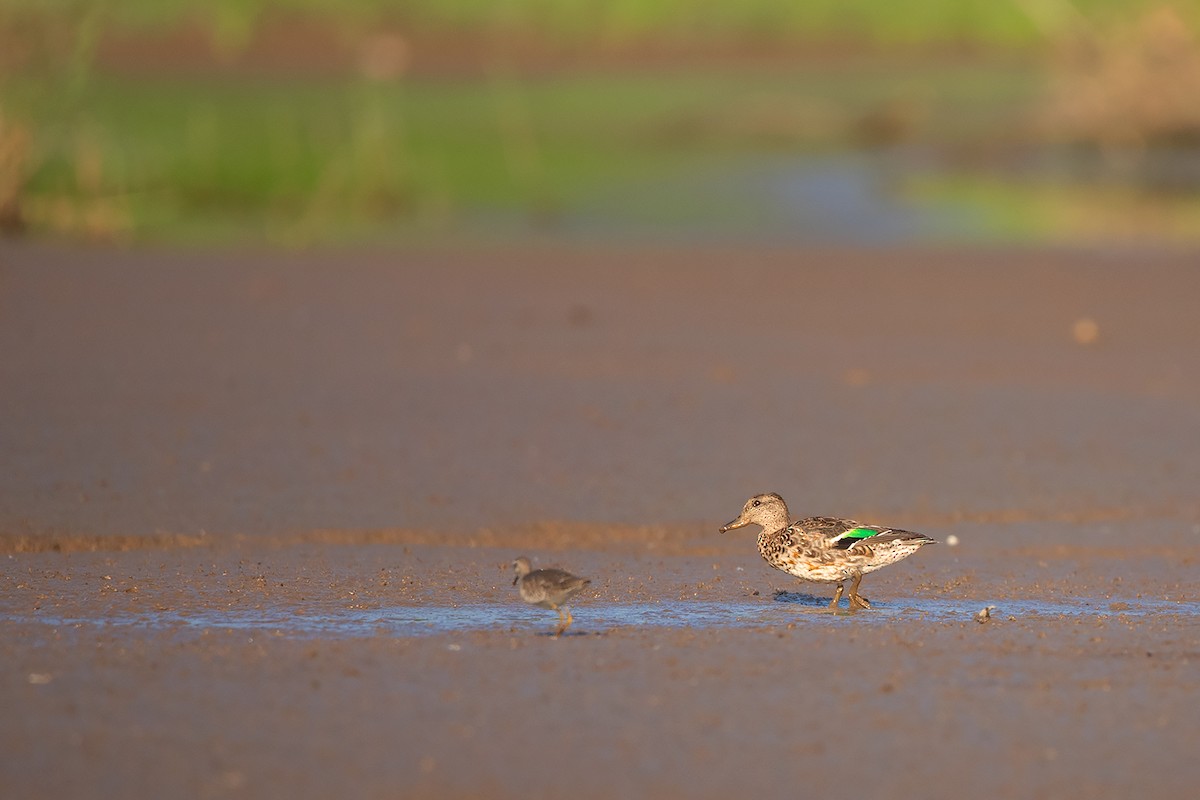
{"type": "Point", "coordinates": [235, 155]}
{"type": "Point", "coordinates": [285, 160]}
{"type": "Point", "coordinates": [589, 22]}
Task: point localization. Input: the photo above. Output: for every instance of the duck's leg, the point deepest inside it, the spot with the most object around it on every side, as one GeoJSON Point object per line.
{"type": "Point", "coordinates": [856, 600]}
{"type": "Point", "coordinates": [562, 625]}
{"type": "Point", "coordinates": [837, 595]}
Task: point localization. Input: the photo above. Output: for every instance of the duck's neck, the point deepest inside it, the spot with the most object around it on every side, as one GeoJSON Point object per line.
{"type": "Point", "coordinates": [771, 542]}
{"type": "Point", "coordinates": [772, 530]}
{"type": "Point", "coordinates": [776, 520]}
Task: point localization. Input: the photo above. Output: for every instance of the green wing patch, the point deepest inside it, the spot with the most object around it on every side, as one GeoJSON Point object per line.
{"type": "Point", "coordinates": [846, 540]}
{"type": "Point", "coordinates": [858, 533]}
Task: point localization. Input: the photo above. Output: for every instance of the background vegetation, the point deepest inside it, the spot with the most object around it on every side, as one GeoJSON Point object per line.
{"type": "Point", "coordinates": [297, 121]}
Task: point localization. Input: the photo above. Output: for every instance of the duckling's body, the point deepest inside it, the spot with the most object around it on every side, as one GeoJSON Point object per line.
{"type": "Point", "coordinates": [548, 588]}
{"type": "Point", "coordinates": [825, 549]}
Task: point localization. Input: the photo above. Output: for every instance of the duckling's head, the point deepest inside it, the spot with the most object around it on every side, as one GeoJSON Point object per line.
{"type": "Point", "coordinates": [521, 567]}
{"type": "Point", "coordinates": [767, 510]}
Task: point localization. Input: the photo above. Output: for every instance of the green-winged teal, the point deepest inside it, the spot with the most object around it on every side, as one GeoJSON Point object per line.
{"type": "Point", "coordinates": [825, 549]}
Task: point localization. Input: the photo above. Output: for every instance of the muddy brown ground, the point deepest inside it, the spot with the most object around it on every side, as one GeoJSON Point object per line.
{"type": "Point", "coordinates": [203, 436]}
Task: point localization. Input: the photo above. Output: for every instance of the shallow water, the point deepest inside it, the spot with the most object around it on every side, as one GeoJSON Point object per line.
{"type": "Point", "coordinates": [888, 196]}
{"type": "Point", "coordinates": [599, 617]}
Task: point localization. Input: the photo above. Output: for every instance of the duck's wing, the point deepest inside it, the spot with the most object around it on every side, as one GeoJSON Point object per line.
{"type": "Point", "coordinates": [875, 535]}
{"type": "Point", "coordinates": [828, 528]}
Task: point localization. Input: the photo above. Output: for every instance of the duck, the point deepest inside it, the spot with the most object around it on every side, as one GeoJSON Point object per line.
{"type": "Point", "coordinates": [825, 549]}
{"type": "Point", "coordinates": [548, 588]}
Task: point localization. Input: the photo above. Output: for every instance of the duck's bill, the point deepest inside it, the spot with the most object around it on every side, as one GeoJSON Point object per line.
{"type": "Point", "coordinates": [737, 523]}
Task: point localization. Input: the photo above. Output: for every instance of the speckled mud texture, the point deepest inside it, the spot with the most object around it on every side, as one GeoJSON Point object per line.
{"type": "Point", "coordinates": [258, 512]}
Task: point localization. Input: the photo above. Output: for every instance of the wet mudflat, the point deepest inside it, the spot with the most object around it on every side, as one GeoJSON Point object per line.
{"type": "Point", "coordinates": [419, 590]}
{"type": "Point", "coordinates": [301, 670]}
{"type": "Point", "coordinates": [257, 515]}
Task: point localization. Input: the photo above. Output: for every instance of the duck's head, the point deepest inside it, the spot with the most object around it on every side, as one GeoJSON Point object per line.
{"type": "Point", "coordinates": [767, 510]}
{"type": "Point", "coordinates": [521, 567]}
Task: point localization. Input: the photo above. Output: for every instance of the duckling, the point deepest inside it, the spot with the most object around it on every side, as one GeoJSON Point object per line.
{"type": "Point", "coordinates": [548, 588]}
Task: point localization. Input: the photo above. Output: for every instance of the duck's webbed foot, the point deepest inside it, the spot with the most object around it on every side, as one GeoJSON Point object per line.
{"type": "Point", "coordinates": [837, 596]}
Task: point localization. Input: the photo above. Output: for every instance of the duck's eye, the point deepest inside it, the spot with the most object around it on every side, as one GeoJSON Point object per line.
{"type": "Point", "coordinates": [756, 503]}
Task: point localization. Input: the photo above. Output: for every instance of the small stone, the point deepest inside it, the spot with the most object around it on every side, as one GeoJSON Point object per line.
{"type": "Point", "coordinates": [1085, 331]}
{"type": "Point", "coordinates": [856, 377]}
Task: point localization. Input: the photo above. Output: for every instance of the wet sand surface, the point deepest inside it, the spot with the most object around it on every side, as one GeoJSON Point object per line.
{"type": "Point", "coordinates": [257, 512]}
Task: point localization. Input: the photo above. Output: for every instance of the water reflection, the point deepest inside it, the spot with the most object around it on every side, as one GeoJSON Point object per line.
{"type": "Point", "coordinates": [902, 194]}
{"type": "Point", "coordinates": [783, 608]}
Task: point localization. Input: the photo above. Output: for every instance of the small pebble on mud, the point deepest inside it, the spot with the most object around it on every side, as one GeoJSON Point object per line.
{"type": "Point", "coordinates": [1085, 331]}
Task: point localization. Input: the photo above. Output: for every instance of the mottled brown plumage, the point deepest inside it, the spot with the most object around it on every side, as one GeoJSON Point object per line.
{"type": "Point", "coordinates": [825, 549]}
